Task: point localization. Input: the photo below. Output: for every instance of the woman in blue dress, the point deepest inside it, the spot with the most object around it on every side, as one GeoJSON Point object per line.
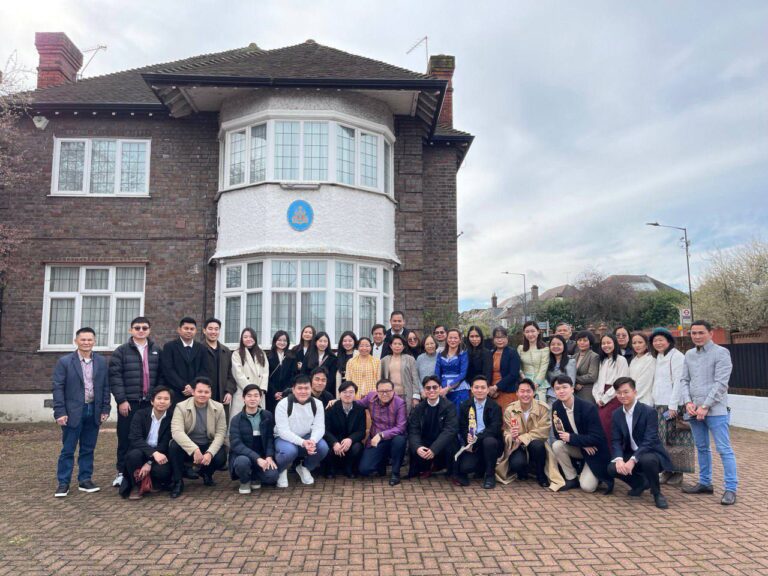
{"type": "Point", "coordinates": [451, 369]}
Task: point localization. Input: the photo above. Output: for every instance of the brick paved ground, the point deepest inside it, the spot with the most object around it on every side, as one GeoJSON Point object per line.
{"type": "Point", "coordinates": [367, 528]}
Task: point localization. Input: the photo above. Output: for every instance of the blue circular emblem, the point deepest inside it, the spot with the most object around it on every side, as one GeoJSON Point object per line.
{"type": "Point", "coordinates": [300, 215]}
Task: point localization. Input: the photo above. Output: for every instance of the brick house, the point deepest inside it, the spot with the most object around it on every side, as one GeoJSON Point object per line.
{"type": "Point", "coordinates": [270, 188]}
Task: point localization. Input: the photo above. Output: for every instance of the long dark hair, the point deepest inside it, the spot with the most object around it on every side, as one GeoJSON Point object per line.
{"type": "Point", "coordinates": [474, 351]}
{"type": "Point", "coordinates": [539, 340]}
{"type": "Point", "coordinates": [563, 357]}
{"type": "Point", "coordinates": [615, 352]}
{"type": "Point", "coordinates": [312, 358]}
{"type": "Point", "coordinates": [645, 339]}
{"type": "Point", "coordinates": [460, 349]}
{"type": "Point", "coordinates": [255, 351]}
{"type": "Point", "coordinates": [414, 350]}
{"type": "Point", "coordinates": [277, 335]}
{"type": "Point", "coordinates": [300, 344]}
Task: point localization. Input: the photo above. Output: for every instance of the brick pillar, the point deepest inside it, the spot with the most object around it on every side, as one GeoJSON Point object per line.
{"type": "Point", "coordinates": [442, 67]}
{"type": "Point", "coordinates": [59, 59]}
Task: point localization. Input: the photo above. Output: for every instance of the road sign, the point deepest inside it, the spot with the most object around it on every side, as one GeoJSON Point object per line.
{"type": "Point", "coordinates": [685, 316]}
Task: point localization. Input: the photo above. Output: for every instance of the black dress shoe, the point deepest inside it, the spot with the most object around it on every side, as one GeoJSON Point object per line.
{"type": "Point", "coordinates": [608, 489]}
{"type": "Point", "coordinates": [729, 498]}
{"type": "Point", "coordinates": [543, 482]}
{"type": "Point", "coordinates": [570, 485]}
{"type": "Point", "coordinates": [394, 480]}
{"type": "Point", "coordinates": [489, 483]}
{"type": "Point", "coordinates": [661, 501]}
{"type": "Point", "coordinates": [177, 489]}
{"type": "Point", "coordinates": [190, 474]}
{"type": "Point", "coordinates": [461, 481]}
{"type": "Point", "coordinates": [208, 480]}
{"type": "Point", "coordinates": [698, 489]}
{"type": "Point", "coordinates": [636, 492]}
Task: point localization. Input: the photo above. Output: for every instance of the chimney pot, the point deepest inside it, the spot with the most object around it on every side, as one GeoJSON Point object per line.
{"type": "Point", "coordinates": [494, 301]}
{"type": "Point", "coordinates": [534, 293]}
{"type": "Point", "coordinates": [60, 59]}
{"type": "Point", "coordinates": [441, 66]}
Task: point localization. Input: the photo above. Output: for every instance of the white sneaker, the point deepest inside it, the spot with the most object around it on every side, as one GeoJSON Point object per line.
{"type": "Point", "coordinates": [118, 480]}
{"type": "Point", "coordinates": [282, 480]}
{"type": "Point", "coordinates": [245, 488]}
{"type": "Point", "coordinates": [304, 474]}
{"type": "Point", "coordinates": [256, 485]}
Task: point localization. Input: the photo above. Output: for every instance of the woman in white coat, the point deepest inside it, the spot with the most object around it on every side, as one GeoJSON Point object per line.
{"type": "Point", "coordinates": [642, 368]}
{"type": "Point", "coordinates": [249, 366]}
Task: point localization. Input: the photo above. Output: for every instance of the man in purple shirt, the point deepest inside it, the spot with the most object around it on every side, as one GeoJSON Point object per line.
{"type": "Point", "coordinates": [387, 435]}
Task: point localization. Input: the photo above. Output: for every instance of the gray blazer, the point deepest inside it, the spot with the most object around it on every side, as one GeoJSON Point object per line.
{"type": "Point", "coordinates": [587, 371]}
{"type": "Point", "coordinates": [409, 377]}
{"type": "Point", "coordinates": [69, 389]}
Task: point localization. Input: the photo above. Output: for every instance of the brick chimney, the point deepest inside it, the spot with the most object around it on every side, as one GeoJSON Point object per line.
{"type": "Point", "coordinates": [535, 293]}
{"type": "Point", "coordinates": [59, 59]}
{"type": "Point", "coordinates": [442, 67]}
{"type": "Point", "coordinates": [494, 301]}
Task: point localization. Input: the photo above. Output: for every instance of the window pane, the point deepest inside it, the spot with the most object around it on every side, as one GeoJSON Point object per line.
{"type": "Point", "coordinates": [232, 319]}
{"type": "Point", "coordinates": [283, 274]}
{"type": "Point", "coordinates": [129, 280]}
{"type": "Point", "coordinates": [315, 151]}
{"type": "Point", "coordinates": [61, 326]}
{"type": "Point", "coordinates": [345, 275]}
{"type": "Point", "coordinates": [96, 315]}
{"type": "Point", "coordinates": [345, 155]}
{"type": "Point", "coordinates": [385, 288]}
{"type": "Point", "coordinates": [287, 138]}
{"type": "Point", "coordinates": [284, 313]}
{"type": "Point", "coordinates": [234, 277]}
{"type": "Point", "coordinates": [259, 153]}
{"type": "Point", "coordinates": [253, 313]}
{"type": "Point", "coordinates": [387, 164]}
{"type": "Point", "coordinates": [64, 279]}
{"type": "Point", "coordinates": [255, 275]}
{"type": "Point", "coordinates": [369, 154]}
{"type": "Point", "coordinates": [126, 309]}
{"type": "Point", "coordinates": [344, 311]}
{"type": "Point", "coordinates": [103, 162]}
{"type": "Point", "coordinates": [367, 277]}
{"type": "Point", "coordinates": [313, 309]}
{"type": "Point", "coordinates": [367, 314]}
{"type": "Point", "coordinates": [96, 279]}
{"type": "Point", "coordinates": [386, 307]}
{"type": "Point", "coordinates": [313, 274]}
{"type": "Point", "coordinates": [71, 166]}
{"type": "Point", "coordinates": [237, 158]}
{"type": "Point", "coordinates": [133, 167]}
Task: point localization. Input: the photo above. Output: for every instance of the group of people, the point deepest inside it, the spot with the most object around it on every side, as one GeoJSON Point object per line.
{"type": "Point", "coordinates": [559, 411]}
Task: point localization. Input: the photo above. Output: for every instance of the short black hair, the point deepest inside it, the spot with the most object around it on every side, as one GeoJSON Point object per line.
{"type": "Point", "coordinates": [251, 387]}
{"type": "Point", "coordinates": [202, 380]}
{"type": "Point", "coordinates": [396, 313]}
{"type": "Point", "coordinates": [619, 382]}
{"type": "Point", "coordinates": [347, 384]}
{"type": "Point", "coordinates": [439, 326]}
{"type": "Point", "coordinates": [85, 329]}
{"type": "Point", "coordinates": [211, 320]}
{"type": "Point", "coordinates": [301, 379]}
{"type": "Point", "coordinates": [384, 381]}
{"type": "Point", "coordinates": [586, 334]}
{"type": "Point", "coordinates": [398, 337]}
{"type": "Point", "coordinates": [500, 331]}
{"type": "Point", "coordinates": [530, 383]}
{"type": "Point", "coordinates": [704, 323]}
{"type": "Point", "coordinates": [430, 378]}
{"type": "Point", "coordinates": [479, 378]}
{"type": "Point", "coordinates": [318, 370]}
{"type": "Point", "coordinates": [376, 327]}
{"type": "Point", "coordinates": [562, 324]}
{"type": "Point", "coordinates": [156, 391]}
{"type": "Point", "coordinates": [187, 320]}
{"type": "Point", "coordinates": [141, 320]}
{"type": "Point", "coordinates": [563, 379]}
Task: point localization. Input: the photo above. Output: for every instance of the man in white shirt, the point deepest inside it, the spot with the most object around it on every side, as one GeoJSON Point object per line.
{"type": "Point", "coordinates": [638, 455]}
{"type": "Point", "coordinates": [379, 349]}
{"type": "Point", "coordinates": [299, 431]}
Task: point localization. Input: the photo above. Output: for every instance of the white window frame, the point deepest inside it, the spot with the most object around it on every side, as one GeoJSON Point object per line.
{"type": "Point", "coordinates": [78, 297]}
{"type": "Point", "coordinates": [87, 168]}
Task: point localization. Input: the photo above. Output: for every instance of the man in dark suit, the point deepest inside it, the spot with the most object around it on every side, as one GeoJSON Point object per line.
{"type": "Point", "coordinates": [183, 360]}
{"type": "Point", "coordinates": [432, 430]}
{"type": "Point", "coordinates": [379, 345]}
{"type": "Point", "coordinates": [638, 455]}
{"type": "Point", "coordinates": [480, 432]}
{"type": "Point", "coordinates": [80, 405]}
{"type": "Point", "coordinates": [217, 363]}
{"type": "Point", "coordinates": [344, 432]}
{"type": "Point", "coordinates": [579, 436]}
{"type": "Point", "coordinates": [148, 442]}
{"type": "Point", "coordinates": [397, 326]}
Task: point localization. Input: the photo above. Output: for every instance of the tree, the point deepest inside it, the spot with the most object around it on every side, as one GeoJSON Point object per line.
{"type": "Point", "coordinates": [557, 310]}
{"type": "Point", "coordinates": [600, 301]}
{"type": "Point", "coordinates": [656, 309]}
{"type": "Point", "coordinates": [733, 291]}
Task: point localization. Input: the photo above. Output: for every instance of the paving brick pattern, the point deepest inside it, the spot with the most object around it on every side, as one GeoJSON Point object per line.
{"type": "Point", "coordinates": [367, 528]}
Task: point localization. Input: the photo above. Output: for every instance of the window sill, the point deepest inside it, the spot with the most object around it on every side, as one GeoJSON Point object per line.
{"type": "Point", "coordinates": [70, 348]}
{"type": "Point", "coordinates": [292, 186]}
{"type": "Point", "coordinates": [79, 195]}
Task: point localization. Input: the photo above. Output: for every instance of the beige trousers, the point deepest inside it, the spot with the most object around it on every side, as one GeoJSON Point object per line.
{"type": "Point", "coordinates": [563, 453]}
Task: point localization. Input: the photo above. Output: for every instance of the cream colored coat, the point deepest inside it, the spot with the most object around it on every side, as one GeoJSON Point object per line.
{"type": "Point", "coordinates": [183, 422]}
{"type": "Point", "coordinates": [249, 373]}
{"type": "Point", "coordinates": [536, 428]}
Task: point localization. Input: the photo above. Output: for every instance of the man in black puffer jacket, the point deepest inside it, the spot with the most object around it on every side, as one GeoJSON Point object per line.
{"type": "Point", "coordinates": [134, 370]}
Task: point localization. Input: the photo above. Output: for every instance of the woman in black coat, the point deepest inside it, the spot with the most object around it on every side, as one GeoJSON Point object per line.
{"type": "Point", "coordinates": [480, 361]}
{"type": "Point", "coordinates": [320, 355]}
{"type": "Point", "coordinates": [282, 368]}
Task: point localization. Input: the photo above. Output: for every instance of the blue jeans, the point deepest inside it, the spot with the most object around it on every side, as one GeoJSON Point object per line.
{"type": "Point", "coordinates": [286, 453]}
{"type": "Point", "coordinates": [718, 426]}
{"type": "Point", "coordinates": [86, 434]}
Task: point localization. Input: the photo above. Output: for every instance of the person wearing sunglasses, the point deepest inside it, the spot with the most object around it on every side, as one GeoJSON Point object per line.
{"type": "Point", "coordinates": [432, 432]}
{"type": "Point", "coordinates": [134, 371]}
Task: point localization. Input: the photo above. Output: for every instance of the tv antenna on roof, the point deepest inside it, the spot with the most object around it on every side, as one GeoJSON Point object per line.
{"type": "Point", "coordinates": [424, 41]}
{"type": "Point", "coordinates": [93, 51]}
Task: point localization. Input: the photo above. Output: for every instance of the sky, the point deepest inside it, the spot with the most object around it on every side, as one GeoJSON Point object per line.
{"type": "Point", "coordinates": [590, 118]}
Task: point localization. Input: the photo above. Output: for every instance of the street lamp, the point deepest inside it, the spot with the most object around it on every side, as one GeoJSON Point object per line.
{"type": "Point", "coordinates": [687, 258]}
{"type": "Point", "coordinates": [525, 296]}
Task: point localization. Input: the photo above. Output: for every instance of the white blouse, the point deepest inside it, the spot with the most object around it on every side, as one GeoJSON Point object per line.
{"type": "Point", "coordinates": [610, 369]}
{"type": "Point", "coordinates": [642, 370]}
{"type": "Point", "coordinates": [666, 382]}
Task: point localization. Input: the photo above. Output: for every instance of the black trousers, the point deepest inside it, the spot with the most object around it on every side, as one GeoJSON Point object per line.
{"type": "Point", "coordinates": [178, 457]}
{"type": "Point", "coordinates": [482, 459]}
{"type": "Point", "coordinates": [535, 455]}
{"type": "Point", "coordinates": [123, 428]}
{"type": "Point", "coordinates": [646, 469]}
{"type": "Point", "coordinates": [443, 459]}
{"type": "Point", "coordinates": [347, 463]}
{"type": "Point", "coordinates": [135, 459]}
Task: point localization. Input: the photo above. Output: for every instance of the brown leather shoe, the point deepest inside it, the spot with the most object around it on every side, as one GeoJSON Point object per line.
{"type": "Point", "coordinates": [135, 494]}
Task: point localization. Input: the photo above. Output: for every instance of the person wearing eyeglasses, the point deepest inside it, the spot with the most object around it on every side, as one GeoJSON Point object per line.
{"type": "Point", "coordinates": [441, 336]}
{"type": "Point", "coordinates": [432, 429]}
{"type": "Point", "coordinates": [134, 371]}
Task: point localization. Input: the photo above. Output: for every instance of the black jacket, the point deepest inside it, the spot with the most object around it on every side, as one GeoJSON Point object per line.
{"type": "Point", "coordinates": [140, 426]}
{"type": "Point", "coordinates": [179, 369]}
{"type": "Point", "coordinates": [224, 378]}
{"type": "Point", "coordinates": [339, 426]}
{"type": "Point", "coordinates": [447, 423]}
{"type": "Point", "coordinates": [385, 349]}
{"type": "Point", "coordinates": [281, 375]}
{"type": "Point", "coordinates": [480, 363]}
{"type": "Point", "coordinates": [645, 431]}
{"type": "Point", "coordinates": [126, 371]}
{"type": "Point", "coordinates": [330, 362]}
{"type": "Point", "coordinates": [388, 336]}
{"type": "Point", "coordinates": [492, 418]}
{"type": "Point", "coordinates": [590, 433]}
{"type": "Point", "coordinates": [241, 438]}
